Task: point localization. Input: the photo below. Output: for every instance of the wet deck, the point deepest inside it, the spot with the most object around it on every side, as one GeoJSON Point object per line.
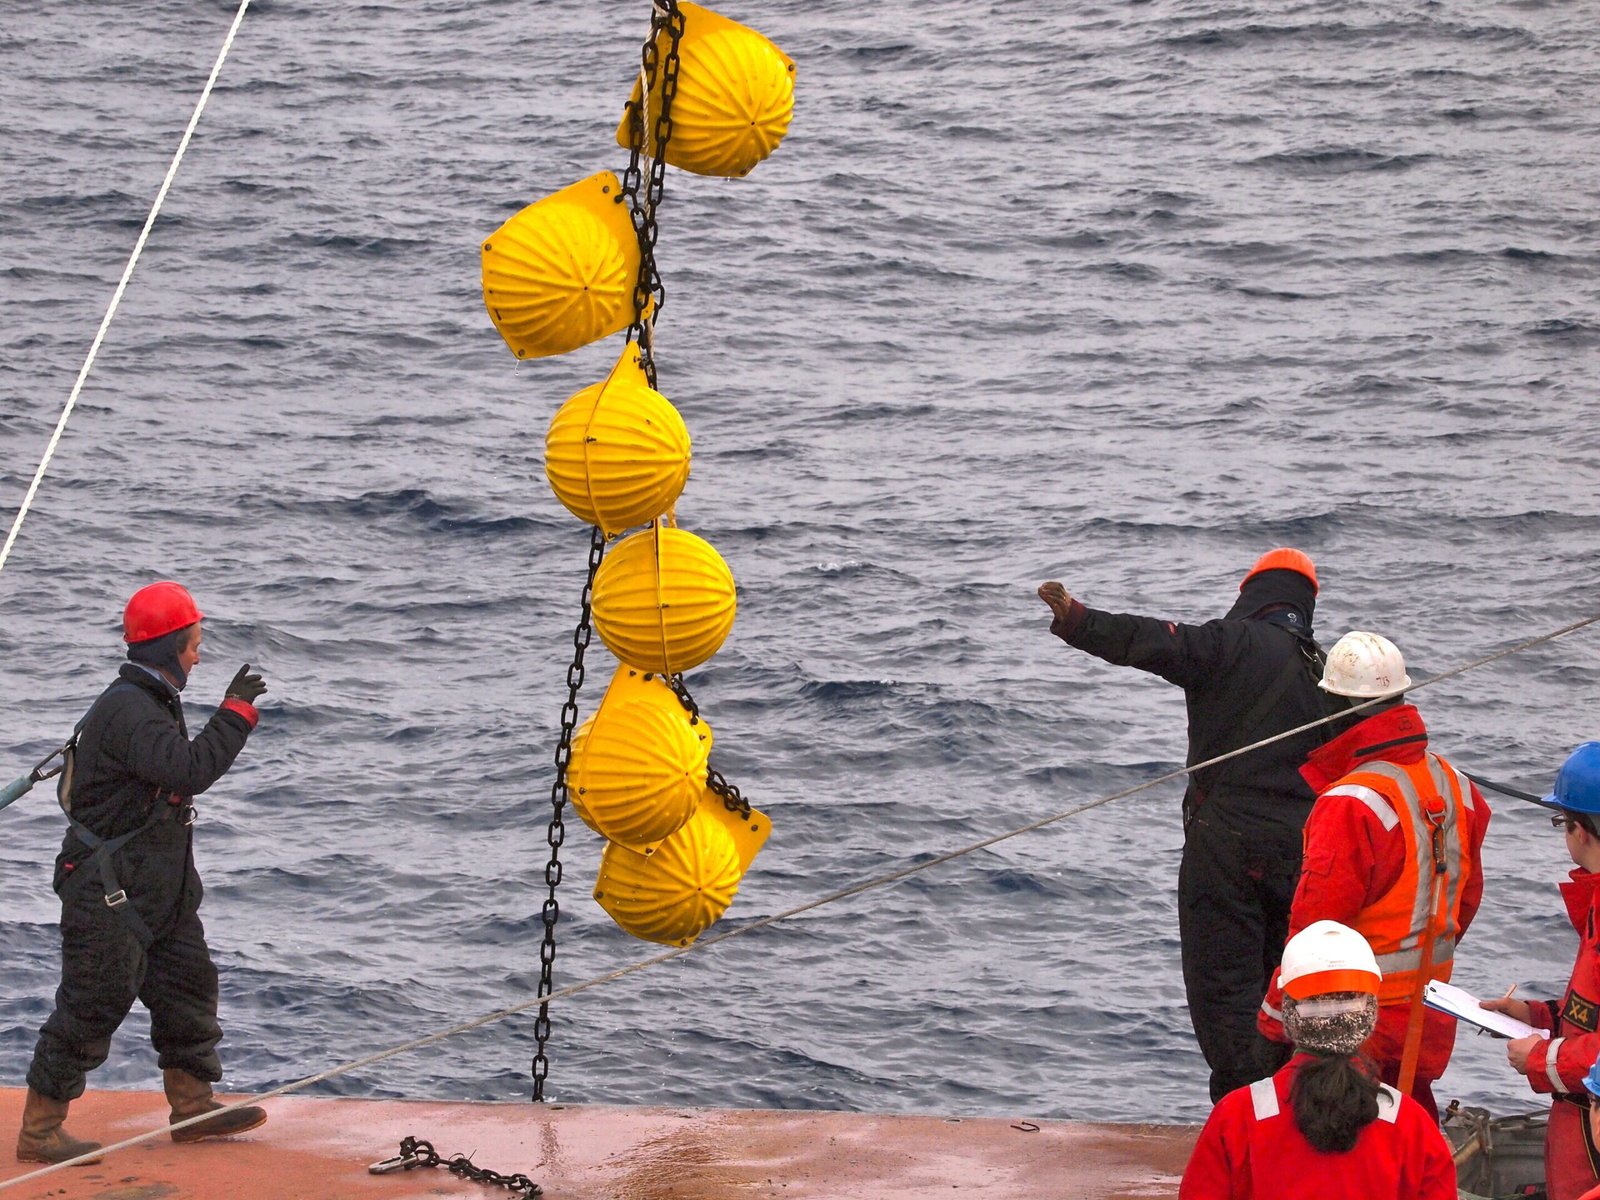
{"type": "Point", "coordinates": [318, 1149]}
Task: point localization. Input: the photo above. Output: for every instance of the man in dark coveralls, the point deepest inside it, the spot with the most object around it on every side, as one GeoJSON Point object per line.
{"type": "Point", "coordinates": [130, 895]}
{"type": "Point", "coordinates": [1245, 677]}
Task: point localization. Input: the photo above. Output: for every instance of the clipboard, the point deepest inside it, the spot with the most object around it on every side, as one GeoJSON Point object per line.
{"type": "Point", "coordinates": [1463, 1006]}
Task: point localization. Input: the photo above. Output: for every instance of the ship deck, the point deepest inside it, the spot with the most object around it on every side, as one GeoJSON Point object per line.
{"type": "Point", "coordinates": [315, 1148]}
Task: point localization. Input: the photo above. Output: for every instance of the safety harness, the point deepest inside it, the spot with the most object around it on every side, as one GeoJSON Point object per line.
{"type": "Point", "coordinates": [101, 850]}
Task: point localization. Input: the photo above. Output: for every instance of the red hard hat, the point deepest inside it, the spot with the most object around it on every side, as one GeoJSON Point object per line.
{"type": "Point", "coordinates": [1284, 559]}
{"type": "Point", "coordinates": [157, 610]}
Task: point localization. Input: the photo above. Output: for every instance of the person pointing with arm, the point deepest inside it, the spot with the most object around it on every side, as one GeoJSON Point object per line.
{"type": "Point", "coordinates": [1246, 676]}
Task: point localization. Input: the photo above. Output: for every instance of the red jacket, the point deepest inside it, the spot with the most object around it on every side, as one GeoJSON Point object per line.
{"type": "Point", "coordinates": [1251, 1149]}
{"type": "Point", "coordinates": [1351, 861]}
{"type": "Point", "coordinates": [1559, 1065]}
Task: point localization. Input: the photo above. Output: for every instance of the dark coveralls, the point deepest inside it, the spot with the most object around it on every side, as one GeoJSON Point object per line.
{"type": "Point", "coordinates": [135, 766]}
{"type": "Point", "coordinates": [1245, 677]}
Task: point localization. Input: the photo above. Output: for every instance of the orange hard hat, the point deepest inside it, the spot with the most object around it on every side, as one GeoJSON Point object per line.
{"type": "Point", "coordinates": [157, 610]}
{"type": "Point", "coordinates": [1284, 558]}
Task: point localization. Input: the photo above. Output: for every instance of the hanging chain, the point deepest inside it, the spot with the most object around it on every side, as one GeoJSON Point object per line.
{"type": "Point", "coordinates": [414, 1152]}
{"type": "Point", "coordinates": [665, 17]}
{"type": "Point", "coordinates": [643, 196]}
{"type": "Point", "coordinates": [558, 804]}
{"type": "Point", "coordinates": [731, 799]}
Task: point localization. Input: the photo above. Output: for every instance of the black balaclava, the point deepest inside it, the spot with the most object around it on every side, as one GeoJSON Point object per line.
{"type": "Point", "coordinates": [1281, 596]}
{"type": "Point", "coordinates": [162, 654]}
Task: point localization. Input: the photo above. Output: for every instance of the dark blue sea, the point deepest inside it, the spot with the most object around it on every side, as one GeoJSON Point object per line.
{"type": "Point", "coordinates": [1120, 294]}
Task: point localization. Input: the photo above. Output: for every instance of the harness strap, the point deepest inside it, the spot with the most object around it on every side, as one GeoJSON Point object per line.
{"type": "Point", "coordinates": [100, 858]}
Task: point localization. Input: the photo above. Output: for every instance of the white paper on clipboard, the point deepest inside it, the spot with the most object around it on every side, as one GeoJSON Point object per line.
{"type": "Point", "coordinates": [1463, 1005]}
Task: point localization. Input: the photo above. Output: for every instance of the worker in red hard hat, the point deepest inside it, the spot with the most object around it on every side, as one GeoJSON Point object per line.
{"type": "Point", "coordinates": [130, 895]}
{"type": "Point", "coordinates": [1246, 677]}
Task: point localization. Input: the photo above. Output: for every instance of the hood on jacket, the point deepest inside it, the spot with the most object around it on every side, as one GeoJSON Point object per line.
{"type": "Point", "coordinates": [1284, 596]}
{"type": "Point", "coordinates": [162, 654]}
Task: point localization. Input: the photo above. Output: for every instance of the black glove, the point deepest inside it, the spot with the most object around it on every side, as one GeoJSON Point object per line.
{"type": "Point", "coordinates": [245, 686]}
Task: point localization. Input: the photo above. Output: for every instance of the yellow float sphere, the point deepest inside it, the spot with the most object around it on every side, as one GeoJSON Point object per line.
{"type": "Point", "coordinates": [663, 600]}
{"type": "Point", "coordinates": [560, 273]}
{"type": "Point", "coordinates": [617, 453]}
{"type": "Point", "coordinates": [677, 893]}
{"type": "Point", "coordinates": [573, 795]}
{"type": "Point", "coordinates": [734, 101]}
{"type": "Point", "coordinates": [638, 772]}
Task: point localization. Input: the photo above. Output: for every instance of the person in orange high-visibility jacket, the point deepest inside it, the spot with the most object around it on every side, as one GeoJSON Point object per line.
{"type": "Point", "coordinates": [1322, 1128]}
{"type": "Point", "coordinates": [1560, 1066]}
{"type": "Point", "coordinates": [1393, 848]}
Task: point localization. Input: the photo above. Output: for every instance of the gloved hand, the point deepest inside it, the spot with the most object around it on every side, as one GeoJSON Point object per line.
{"type": "Point", "coordinates": [245, 686]}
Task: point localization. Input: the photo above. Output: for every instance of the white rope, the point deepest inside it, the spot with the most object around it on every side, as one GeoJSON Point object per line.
{"type": "Point", "coordinates": [122, 285]}
{"type": "Point", "coordinates": [773, 919]}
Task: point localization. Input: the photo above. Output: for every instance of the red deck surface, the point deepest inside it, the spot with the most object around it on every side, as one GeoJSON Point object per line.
{"type": "Point", "coordinates": [318, 1149]}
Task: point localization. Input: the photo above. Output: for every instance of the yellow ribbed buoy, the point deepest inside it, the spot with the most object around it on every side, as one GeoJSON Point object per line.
{"type": "Point", "coordinates": [617, 453]}
{"type": "Point", "coordinates": [560, 273]}
{"type": "Point", "coordinates": [675, 894]}
{"type": "Point", "coordinates": [663, 600]}
{"type": "Point", "coordinates": [637, 773]}
{"type": "Point", "coordinates": [734, 100]}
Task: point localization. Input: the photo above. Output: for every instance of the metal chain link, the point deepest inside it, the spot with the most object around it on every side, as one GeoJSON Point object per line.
{"type": "Point", "coordinates": [414, 1152]}
{"type": "Point", "coordinates": [731, 799]}
{"type": "Point", "coordinates": [642, 195]}
{"type": "Point", "coordinates": [665, 17]}
{"type": "Point", "coordinates": [558, 803]}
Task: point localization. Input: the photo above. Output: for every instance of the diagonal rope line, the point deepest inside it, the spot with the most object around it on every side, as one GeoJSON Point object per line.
{"type": "Point", "coordinates": [772, 919]}
{"type": "Point", "coordinates": [122, 286]}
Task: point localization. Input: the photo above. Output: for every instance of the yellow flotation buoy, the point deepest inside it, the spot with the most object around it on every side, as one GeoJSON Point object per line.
{"type": "Point", "coordinates": [675, 894]}
{"type": "Point", "coordinates": [560, 273]}
{"type": "Point", "coordinates": [617, 453]}
{"type": "Point", "coordinates": [630, 683]}
{"type": "Point", "coordinates": [663, 600]}
{"type": "Point", "coordinates": [637, 772]}
{"type": "Point", "coordinates": [734, 100]}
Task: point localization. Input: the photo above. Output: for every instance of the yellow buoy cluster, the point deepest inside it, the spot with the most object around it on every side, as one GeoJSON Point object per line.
{"type": "Point", "coordinates": [567, 270]}
{"type": "Point", "coordinates": [560, 274]}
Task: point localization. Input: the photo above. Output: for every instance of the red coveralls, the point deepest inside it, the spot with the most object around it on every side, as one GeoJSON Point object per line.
{"type": "Point", "coordinates": [1352, 861]}
{"type": "Point", "coordinates": [1559, 1065]}
{"type": "Point", "coordinates": [1251, 1149]}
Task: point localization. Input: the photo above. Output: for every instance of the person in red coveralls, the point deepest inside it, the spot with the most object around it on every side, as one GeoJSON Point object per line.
{"type": "Point", "coordinates": [1322, 1128]}
{"type": "Point", "coordinates": [1393, 848]}
{"type": "Point", "coordinates": [1557, 1066]}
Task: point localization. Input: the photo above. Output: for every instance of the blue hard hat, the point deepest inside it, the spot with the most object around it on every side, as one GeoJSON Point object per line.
{"type": "Point", "coordinates": [1578, 782]}
{"type": "Point", "coordinates": [1592, 1080]}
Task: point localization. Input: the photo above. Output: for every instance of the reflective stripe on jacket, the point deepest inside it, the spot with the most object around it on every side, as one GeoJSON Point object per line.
{"type": "Point", "coordinates": [1427, 802]}
{"type": "Point", "coordinates": [1252, 1149]}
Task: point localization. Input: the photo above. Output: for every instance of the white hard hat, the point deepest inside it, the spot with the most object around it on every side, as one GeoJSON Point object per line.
{"type": "Point", "coordinates": [1365, 665]}
{"type": "Point", "coordinates": [1328, 957]}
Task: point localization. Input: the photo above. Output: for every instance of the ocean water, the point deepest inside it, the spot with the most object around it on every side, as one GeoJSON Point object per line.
{"type": "Point", "coordinates": [1117, 294]}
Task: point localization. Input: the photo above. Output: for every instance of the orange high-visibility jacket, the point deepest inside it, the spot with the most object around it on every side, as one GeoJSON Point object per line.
{"type": "Point", "coordinates": [1427, 803]}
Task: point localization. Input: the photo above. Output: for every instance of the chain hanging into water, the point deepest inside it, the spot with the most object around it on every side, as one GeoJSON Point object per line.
{"type": "Point", "coordinates": [642, 192]}
{"type": "Point", "coordinates": [731, 799]}
{"type": "Point", "coordinates": [122, 284]}
{"type": "Point", "coordinates": [558, 804]}
{"type": "Point", "coordinates": [415, 1152]}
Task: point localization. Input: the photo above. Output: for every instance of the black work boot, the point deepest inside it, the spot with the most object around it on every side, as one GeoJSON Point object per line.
{"type": "Point", "coordinates": [42, 1139]}
{"type": "Point", "coordinates": [190, 1096]}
